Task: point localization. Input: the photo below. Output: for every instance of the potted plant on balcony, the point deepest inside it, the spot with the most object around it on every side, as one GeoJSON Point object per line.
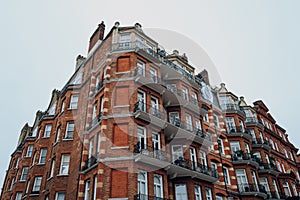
{"type": "Point", "coordinates": [238, 155]}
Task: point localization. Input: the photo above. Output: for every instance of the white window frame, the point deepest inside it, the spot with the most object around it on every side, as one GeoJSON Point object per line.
{"type": "Point", "coordinates": [153, 75]}
{"type": "Point", "coordinates": [74, 101]}
{"type": "Point", "coordinates": [176, 116]}
{"type": "Point", "coordinates": [47, 130]}
{"type": "Point", "coordinates": [189, 123]}
{"type": "Point", "coordinates": [52, 109]}
{"type": "Point", "coordinates": [43, 156]}
{"type": "Point", "coordinates": [144, 182]}
{"type": "Point", "coordinates": [52, 168]}
{"type": "Point", "coordinates": [242, 180]}
{"type": "Point", "coordinates": [208, 194]}
{"type": "Point", "coordinates": [222, 146]}
{"type": "Point", "coordinates": [95, 187]}
{"type": "Point", "coordinates": [226, 175]}
{"type": "Point", "coordinates": [142, 137]}
{"type": "Point", "coordinates": [264, 181]}
{"type": "Point", "coordinates": [64, 164]}
{"type": "Point", "coordinates": [216, 120]}
{"type": "Point", "coordinates": [29, 151]}
{"type": "Point", "coordinates": [70, 130]}
{"type": "Point", "coordinates": [185, 93]}
{"type": "Point", "coordinates": [154, 106]}
{"type": "Point", "coordinates": [203, 158]}
{"type": "Point", "coordinates": [230, 124]}
{"type": "Point", "coordinates": [158, 187]}
{"type": "Point", "coordinates": [62, 107]}
{"type": "Point", "coordinates": [182, 195]}
{"type": "Point", "coordinates": [286, 189]}
{"type": "Point", "coordinates": [142, 99]}
{"type": "Point", "coordinates": [87, 188]}
{"type": "Point", "coordinates": [193, 157]}
{"type": "Point", "coordinates": [58, 132]}
{"type": "Point", "coordinates": [194, 98]}
{"type": "Point", "coordinates": [37, 184]}
{"type": "Point", "coordinates": [58, 197]}
{"type": "Point", "coordinates": [19, 196]}
{"type": "Point", "coordinates": [24, 174]}
{"type": "Point", "coordinates": [178, 153]}
{"type": "Point", "coordinates": [198, 195]}
{"type": "Point", "coordinates": [141, 68]}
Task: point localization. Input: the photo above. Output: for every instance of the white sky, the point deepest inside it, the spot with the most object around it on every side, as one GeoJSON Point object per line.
{"type": "Point", "coordinates": [254, 45]}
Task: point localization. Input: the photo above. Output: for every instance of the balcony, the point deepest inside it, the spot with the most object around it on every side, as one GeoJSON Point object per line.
{"type": "Point", "coordinates": [99, 86]}
{"type": "Point", "coordinates": [268, 168]}
{"type": "Point", "coordinates": [147, 197]}
{"type": "Point", "coordinates": [149, 114]}
{"type": "Point", "coordinates": [187, 168]}
{"type": "Point", "coordinates": [90, 162]}
{"type": "Point", "coordinates": [176, 129]}
{"type": "Point", "coordinates": [150, 156]}
{"type": "Point", "coordinates": [253, 121]}
{"type": "Point", "coordinates": [241, 158]}
{"type": "Point", "coordinates": [252, 190]}
{"type": "Point", "coordinates": [258, 143]}
{"type": "Point", "coordinates": [159, 56]}
{"type": "Point", "coordinates": [232, 108]}
{"type": "Point", "coordinates": [149, 80]}
{"type": "Point", "coordinates": [239, 131]}
{"type": "Point", "coordinates": [175, 97]}
{"type": "Point", "coordinates": [95, 121]}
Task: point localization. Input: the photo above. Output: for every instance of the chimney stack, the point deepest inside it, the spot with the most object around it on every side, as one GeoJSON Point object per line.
{"type": "Point", "coordinates": [97, 35]}
{"type": "Point", "coordinates": [79, 60]}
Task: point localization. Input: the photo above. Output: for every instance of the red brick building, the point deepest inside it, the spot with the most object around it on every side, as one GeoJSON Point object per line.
{"type": "Point", "coordinates": [134, 122]}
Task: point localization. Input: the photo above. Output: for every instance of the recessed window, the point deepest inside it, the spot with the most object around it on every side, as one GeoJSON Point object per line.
{"type": "Point", "coordinates": [37, 184]}
{"type": "Point", "coordinates": [57, 134]}
{"type": "Point", "coordinates": [47, 130]}
{"type": "Point", "coordinates": [216, 120]}
{"type": "Point", "coordinates": [221, 146]}
{"type": "Point", "coordinates": [87, 190]}
{"type": "Point", "coordinates": [70, 130]}
{"type": "Point", "coordinates": [43, 155]}
{"type": "Point", "coordinates": [29, 151]}
{"type": "Point", "coordinates": [153, 75]}
{"type": "Point", "coordinates": [140, 69]}
{"type": "Point", "coordinates": [52, 168]}
{"type": "Point", "coordinates": [185, 93]}
{"type": "Point", "coordinates": [24, 174]}
{"type": "Point", "coordinates": [51, 110]}
{"type": "Point", "coordinates": [60, 196]}
{"type": "Point", "coordinates": [158, 186]}
{"type": "Point", "coordinates": [64, 164]}
{"type": "Point", "coordinates": [189, 125]}
{"type": "Point", "coordinates": [142, 184]}
{"type": "Point", "coordinates": [74, 101]}
{"type": "Point", "coordinates": [198, 195]}
{"type": "Point", "coordinates": [181, 192]}
{"type": "Point", "coordinates": [208, 194]}
{"type": "Point", "coordinates": [19, 196]}
{"type": "Point", "coordinates": [63, 103]}
{"type": "Point", "coordinates": [226, 175]}
{"type": "Point", "coordinates": [286, 189]}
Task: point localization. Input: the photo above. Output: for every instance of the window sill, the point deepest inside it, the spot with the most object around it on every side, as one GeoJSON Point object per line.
{"type": "Point", "coordinates": [72, 109]}
{"type": "Point", "coordinates": [119, 147]}
{"type": "Point", "coordinates": [40, 164]}
{"type": "Point", "coordinates": [48, 179]}
{"type": "Point", "coordinates": [55, 144]}
{"type": "Point", "coordinates": [122, 106]}
{"type": "Point", "coordinates": [22, 181]}
{"type": "Point", "coordinates": [45, 137]}
{"type": "Point", "coordinates": [62, 175]}
{"type": "Point", "coordinates": [67, 139]}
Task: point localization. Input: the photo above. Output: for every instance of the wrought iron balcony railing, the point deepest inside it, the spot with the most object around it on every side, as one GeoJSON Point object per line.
{"type": "Point", "coordinates": [90, 162]}
{"type": "Point", "coordinates": [259, 141]}
{"type": "Point", "coordinates": [237, 129]}
{"type": "Point", "coordinates": [251, 120]}
{"type": "Point", "coordinates": [230, 106]}
{"type": "Point", "coordinates": [153, 110]}
{"type": "Point", "coordinates": [153, 78]}
{"type": "Point", "coordinates": [147, 197]}
{"type": "Point", "coordinates": [270, 166]}
{"type": "Point", "coordinates": [246, 187]}
{"type": "Point", "coordinates": [191, 165]}
{"type": "Point", "coordinates": [151, 151]}
{"type": "Point", "coordinates": [95, 121]}
{"type": "Point", "coordinates": [241, 156]}
{"type": "Point", "coordinates": [161, 55]}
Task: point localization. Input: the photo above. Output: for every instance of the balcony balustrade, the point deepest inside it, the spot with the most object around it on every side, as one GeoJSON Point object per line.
{"type": "Point", "coordinates": [147, 197]}
{"type": "Point", "coordinates": [252, 189]}
{"type": "Point", "coordinates": [90, 162]}
{"type": "Point", "coordinates": [159, 55]}
{"type": "Point", "coordinates": [95, 121]}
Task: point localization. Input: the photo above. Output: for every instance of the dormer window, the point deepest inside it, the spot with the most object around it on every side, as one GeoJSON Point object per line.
{"type": "Point", "coordinates": [51, 110]}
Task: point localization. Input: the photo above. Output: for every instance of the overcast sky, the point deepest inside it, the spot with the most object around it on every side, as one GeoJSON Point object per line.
{"type": "Point", "coordinates": [254, 45]}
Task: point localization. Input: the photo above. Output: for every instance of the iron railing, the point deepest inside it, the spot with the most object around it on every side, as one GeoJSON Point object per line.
{"type": "Point", "coordinates": [267, 166]}
{"type": "Point", "coordinates": [259, 141]}
{"type": "Point", "coordinates": [241, 156]}
{"type": "Point", "coordinates": [90, 162]}
{"type": "Point", "coordinates": [147, 197]}
{"type": "Point", "coordinates": [95, 121]}
{"type": "Point", "coordinates": [191, 165]}
{"type": "Point", "coordinates": [237, 129]}
{"type": "Point", "coordinates": [161, 55]}
{"type": "Point", "coordinates": [151, 151]}
{"type": "Point", "coordinates": [246, 187]}
{"type": "Point", "coordinates": [230, 106]}
{"type": "Point", "coordinates": [150, 109]}
{"type": "Point", "coordinates": [251, 120]}
{"type": "Point", "coordinates": [153, 78]}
